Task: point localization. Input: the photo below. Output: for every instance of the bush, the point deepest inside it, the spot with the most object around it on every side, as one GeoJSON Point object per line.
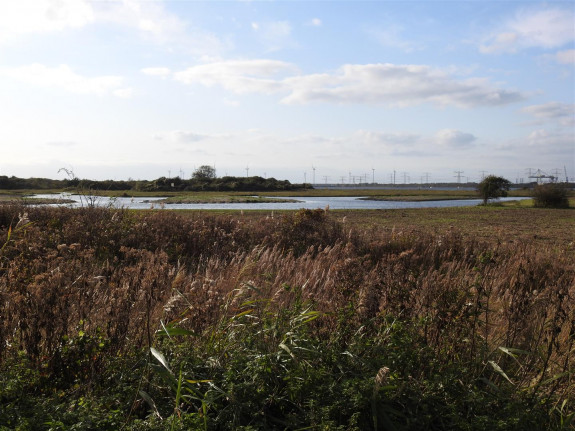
{"type": "Point", "coordinates": [550, 195]}
{"type": "Point", "coordinates": [306, 228]}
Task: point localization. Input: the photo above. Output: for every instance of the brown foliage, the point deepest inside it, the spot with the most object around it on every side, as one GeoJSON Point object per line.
{"type": "Point", "coordinates": [120, 273]}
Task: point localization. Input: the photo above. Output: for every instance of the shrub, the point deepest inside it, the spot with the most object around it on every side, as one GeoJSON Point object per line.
{"type": "Point", "coordinates": [550, 195]}
{"type": "Point", "coordinates": [306, 228]}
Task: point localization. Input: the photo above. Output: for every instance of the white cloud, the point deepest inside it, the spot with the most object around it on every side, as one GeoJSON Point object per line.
{"type": "Point", "coordinates": [391, 36]}
{"type": "Point", "coordinates": [156, 71]}
{"type": "Point", "coordinates": [566, 57]}
{"type": "Point", "coordinates": [274, 35]}
{"type": "Point", "coordinates": [537, 135]}
{"type": "Point", "coordinates": [547, 27]}
{"type": "Point", "coordinates": [503, 42]}
{"type": "Point", "coordinates": [390, 140]}
{"type": "Point", "coordinates": [564, 113]}
{"type": "Point", "coordinates": [63, 77]}
{"type": "Point", "coordinates": [232, 103]}
{"type": "Point", "coordinates": [454, 138]}
{"type": "Point", "coordinates": [551, 142]}
{"type": "Point", "coordinates": [43, 16]}
{"type": "Point", "coordinates": [182, 136]}
{"type": "Point", "coordinates": [161, 26]}
{"type": "Point", "coordinates": [124, 93]}
{"type": "Point", "coordinates": [150, 18]}
{"type": "Point", "coordinates": [63, 144]}
{"type": "Point", "coordinates": [238, 76]}
{"type": "Point", "coordinates": [315, 22]}
{"type": "Point", "coordinates": [396, 85]}
{"type": "Point", "coordinates": [387, 84]}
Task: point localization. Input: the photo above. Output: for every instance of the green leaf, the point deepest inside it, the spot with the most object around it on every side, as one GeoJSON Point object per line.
{"type": "Point", "coordinates": [161, 359]}
{"type": "Point", "coordinates": [512, 352]}
{"type": "Point", "coordinates": [243, 313]}
{"type": "Point", "coordinates": [311, 315]}
{"type": "Point", "coordinates": [500, 371]}
{"type": "Point", "coordinates": [171, 330]}
{"type": "Point", "coordinates": [287, 349]}
{"type": "Point", "coordinates": [148, 399]}
{"type": "Point", "coordinates": [165, 374]}
{"type": "Point", "coordinates": [489, 383]}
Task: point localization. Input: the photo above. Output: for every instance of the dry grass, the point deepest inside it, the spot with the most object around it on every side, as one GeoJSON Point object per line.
{"type": "Point", "coordinates": [487, 286]}
{"type": "Point", "coordinates": [487, 224]}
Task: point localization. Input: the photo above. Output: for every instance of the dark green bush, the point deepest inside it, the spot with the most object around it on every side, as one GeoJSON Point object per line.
{"type": "Point", "coordinates": [551, 195]}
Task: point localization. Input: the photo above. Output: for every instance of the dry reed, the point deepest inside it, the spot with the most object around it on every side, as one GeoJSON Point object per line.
{"type": "Point", "coordinates": [120, 273]}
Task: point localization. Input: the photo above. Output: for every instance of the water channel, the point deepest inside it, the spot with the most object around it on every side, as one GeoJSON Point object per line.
{"type": "Point", "coordinates": [300, 202]}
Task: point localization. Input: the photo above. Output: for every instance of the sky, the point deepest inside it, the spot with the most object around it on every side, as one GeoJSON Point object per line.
{"type": "Point", "coordinates": [318, 91]}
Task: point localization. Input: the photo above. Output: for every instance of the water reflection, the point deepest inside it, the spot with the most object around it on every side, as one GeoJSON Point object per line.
{"type": "Point", "coordinates": [301, 202]}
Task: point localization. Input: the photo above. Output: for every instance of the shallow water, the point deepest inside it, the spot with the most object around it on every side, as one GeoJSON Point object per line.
{"type": "Point", "coordinates": [302, 202]}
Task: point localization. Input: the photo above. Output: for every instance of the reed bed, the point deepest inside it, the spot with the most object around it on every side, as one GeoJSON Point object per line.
{"type": "Point", "coordinates": [281, 322]}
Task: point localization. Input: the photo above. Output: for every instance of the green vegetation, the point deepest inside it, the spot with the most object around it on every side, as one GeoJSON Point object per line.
{"type": "Point", "coordinates": [382, 320]}
{"type": "Point", "coordinates": [492, 187]}
{"type": "Point", "coordinates": [202, 180]}
{"type": "Point", "coordinates": [550, 196]}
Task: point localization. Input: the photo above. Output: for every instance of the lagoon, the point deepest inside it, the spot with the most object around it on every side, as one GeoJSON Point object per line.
{"type": "Point", "coordinates": [306, 202]}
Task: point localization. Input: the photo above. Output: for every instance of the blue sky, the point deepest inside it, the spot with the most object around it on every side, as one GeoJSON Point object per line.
{"type": "Point", "coordinates": [141, 89]}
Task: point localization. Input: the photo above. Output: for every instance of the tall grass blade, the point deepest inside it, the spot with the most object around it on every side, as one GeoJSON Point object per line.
{"type": "Point", "coordinates": [148, 399]}
{"type": "Point", "coordinates": [171, 331]}
{"type": "Point", "coordinates": [177, 403]}
{"type": "Point", "coordinates": [500, 371]}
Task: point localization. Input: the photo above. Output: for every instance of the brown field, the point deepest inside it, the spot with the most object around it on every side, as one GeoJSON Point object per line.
{"type": "Point", "coordinates": [490, 224]}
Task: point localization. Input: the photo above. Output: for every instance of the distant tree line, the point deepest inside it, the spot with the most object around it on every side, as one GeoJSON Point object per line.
{"type": "Point", "coordinates": [15, 183]}
{"type": "Point", "coordinates": [226, 184]}
{"type": "Point", "coordinates": [203, 179]}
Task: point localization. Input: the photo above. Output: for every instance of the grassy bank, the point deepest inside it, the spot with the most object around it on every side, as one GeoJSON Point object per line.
{"type": "Point", "coordinates": [405, 320]}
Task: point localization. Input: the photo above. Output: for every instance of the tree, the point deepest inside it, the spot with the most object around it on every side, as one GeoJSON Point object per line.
{"type": "Point", "coordinates": [493, 187]}
{"type": "Point", "coordinates": [204, 172]}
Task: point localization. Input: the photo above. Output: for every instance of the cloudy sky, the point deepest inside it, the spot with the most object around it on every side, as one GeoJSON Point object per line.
{"type": "Point", "coordinates": [335, 90]}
